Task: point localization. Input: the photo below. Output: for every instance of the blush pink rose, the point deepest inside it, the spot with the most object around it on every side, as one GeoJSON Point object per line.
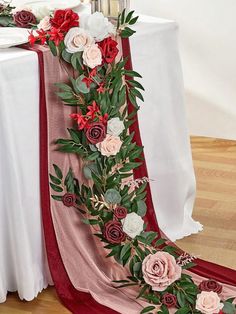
{"type": "Point", "coordinates": [45, 24]}
{"type": "Point", "coordinates": [92, 56]}
{"type": "Point", "coordinates": [160, 270]}
{"type": "Point", "coordinates": [208, 302]}
{"type": "Point", "coordinates": [110, 146]}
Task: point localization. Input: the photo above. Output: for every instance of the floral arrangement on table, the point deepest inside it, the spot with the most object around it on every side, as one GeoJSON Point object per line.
{"type": "Point", "coordinates": [113, 204]}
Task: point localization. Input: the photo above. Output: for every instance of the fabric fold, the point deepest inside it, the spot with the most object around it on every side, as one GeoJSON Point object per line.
{"type": "Point", "coordinates": [82, 274]}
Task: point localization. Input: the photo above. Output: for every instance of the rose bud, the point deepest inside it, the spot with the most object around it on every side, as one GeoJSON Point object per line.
{"type": "Point", "coordinates": [120, 212]}
{"type": "Point", "coordinates": [69, 199]}
{"type": "Point", "coordinates": [169, 300]}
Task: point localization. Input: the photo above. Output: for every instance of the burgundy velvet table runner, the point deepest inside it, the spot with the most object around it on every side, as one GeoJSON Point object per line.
{"type": "Point", "coordinates": [78, 301]}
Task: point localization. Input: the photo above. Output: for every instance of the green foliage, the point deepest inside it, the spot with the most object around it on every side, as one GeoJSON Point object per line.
{"type": "Point", "coordinates": [229, 308]}
{"type": "Point", "coordinates": [112, 196]}
{"type": "Point", "coordinates": [106, 190]}
{"type": "Point", "coordinates": [123, 21]}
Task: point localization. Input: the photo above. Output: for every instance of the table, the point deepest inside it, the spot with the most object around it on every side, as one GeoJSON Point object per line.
{"type": "Point", "coordinates": [23, 265]}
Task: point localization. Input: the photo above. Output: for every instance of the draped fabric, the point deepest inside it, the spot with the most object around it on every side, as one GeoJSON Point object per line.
{"type": "Point", "coordinates": [81, 273]}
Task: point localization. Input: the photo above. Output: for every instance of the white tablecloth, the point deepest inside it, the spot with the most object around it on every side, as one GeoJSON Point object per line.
{"type": "Point", "coordinates": [164, 133]}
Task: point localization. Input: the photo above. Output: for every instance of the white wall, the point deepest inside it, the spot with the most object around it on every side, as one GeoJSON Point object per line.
{"type": "Point", "coordinates": [208, 53]}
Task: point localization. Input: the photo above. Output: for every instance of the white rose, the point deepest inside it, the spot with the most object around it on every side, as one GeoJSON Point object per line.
{"type": "Point", "coordinates": [77, 39]}
{"type": "Point", "coordinates": [45, 24]}
{"type": "Point", "coordinates": [110, 146]}
{"type": "Point", "coordinates": [208, 302]}
{"type": "Point", "coordinates": [97, 25]}
{"type": "Point", "coordinates": [40, 12]}
{"type": "Point", "coordinates": [115, 126]}
{"type": "Point", "coordinates": [133, 225]}
{"type": "Point", "coordinates": [92, 56]}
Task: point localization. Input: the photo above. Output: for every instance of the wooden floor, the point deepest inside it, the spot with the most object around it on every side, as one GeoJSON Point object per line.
{"type": "Point", "coordinates": [215, 208]}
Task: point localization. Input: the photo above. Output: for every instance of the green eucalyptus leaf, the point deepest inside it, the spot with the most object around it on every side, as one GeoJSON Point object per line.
{"type": "Point", "coordinates": [229, 308]}
{"type": "Point", "coordinates": [112, 196]}
{"type": "Point", "coordinates": [87, 173]}
{"type": "Point", "coordinates": [66, 56]}
{"type": "Point", "coordinates": [81, 86]}
{"type": "Point", "coordinates": [142, 208]}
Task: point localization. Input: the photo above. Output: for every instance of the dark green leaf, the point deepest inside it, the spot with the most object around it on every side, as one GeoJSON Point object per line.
{"type": "Point", "coordinates": [93, 156]}
{"type": "Point", "coordinates": [58, 171]}
{"type": "Point", "coordinates": [56, 188]}
{"type": "Point", "coordinates": [160, 242]}
{"type": "Point", "coordinates": [90, 221]}
{"type": "Point", "coordinates": [133, 21]}
{"type": "Point", "coordinates": [52, 47]}
{"type": "Point", "coordinates": [184, 310]}
{"type": "Point", "coordinates": [147, 309]}
{"type": "Point", "coordinates": [57, 197]}
{"type": "Point", "coordinates": [55, 180]}
{"type": "Point", "coordinates": [69, 181]}
{"type": "Point", "coordinates": [129, 16]}
{"type": "Point", "coordinates": [125, 249]}
{"type": "Point", "coordinates": [181, 298]}
{"type": "Point", "coordinates": [131, 73]}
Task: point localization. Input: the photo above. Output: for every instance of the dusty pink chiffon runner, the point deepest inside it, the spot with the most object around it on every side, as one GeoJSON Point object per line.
{"type": "Point", "coordinates": [81, 273]}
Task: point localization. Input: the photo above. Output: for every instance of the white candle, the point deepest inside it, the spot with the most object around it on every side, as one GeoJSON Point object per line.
{"type": "Point", "coordinates": [105, 7]}
{"type": "Point", "coordinates": [114, 8]}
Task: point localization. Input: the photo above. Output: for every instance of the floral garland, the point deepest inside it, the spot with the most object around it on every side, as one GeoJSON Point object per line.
{"type": "Point", "coordinates": [115, 203]}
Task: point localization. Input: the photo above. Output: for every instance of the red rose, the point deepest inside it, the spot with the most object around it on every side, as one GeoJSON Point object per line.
{"type": "Point", "coordinates": [169, 300]}
{"type": "Point", "coordinates": [65, 19]}
{"type": "Point", "coordinates": [120, 212]}
{"type": "Point", "coordinates": [96, 132]}
{"type": "Point", "coordinates": [24, 19]}
{"type": "Point", "coordinates": [109, 49]}
{"type": "Point", "coordinates": [113, 232]}
{"type": "Point", "coordinates": [210, 285]}
{"type": "Point", "coordinates": [69, 199]}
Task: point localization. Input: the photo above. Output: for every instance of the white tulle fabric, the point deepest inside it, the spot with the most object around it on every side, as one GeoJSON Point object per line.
{"type": "Point", "coordinates": [23, 265]}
